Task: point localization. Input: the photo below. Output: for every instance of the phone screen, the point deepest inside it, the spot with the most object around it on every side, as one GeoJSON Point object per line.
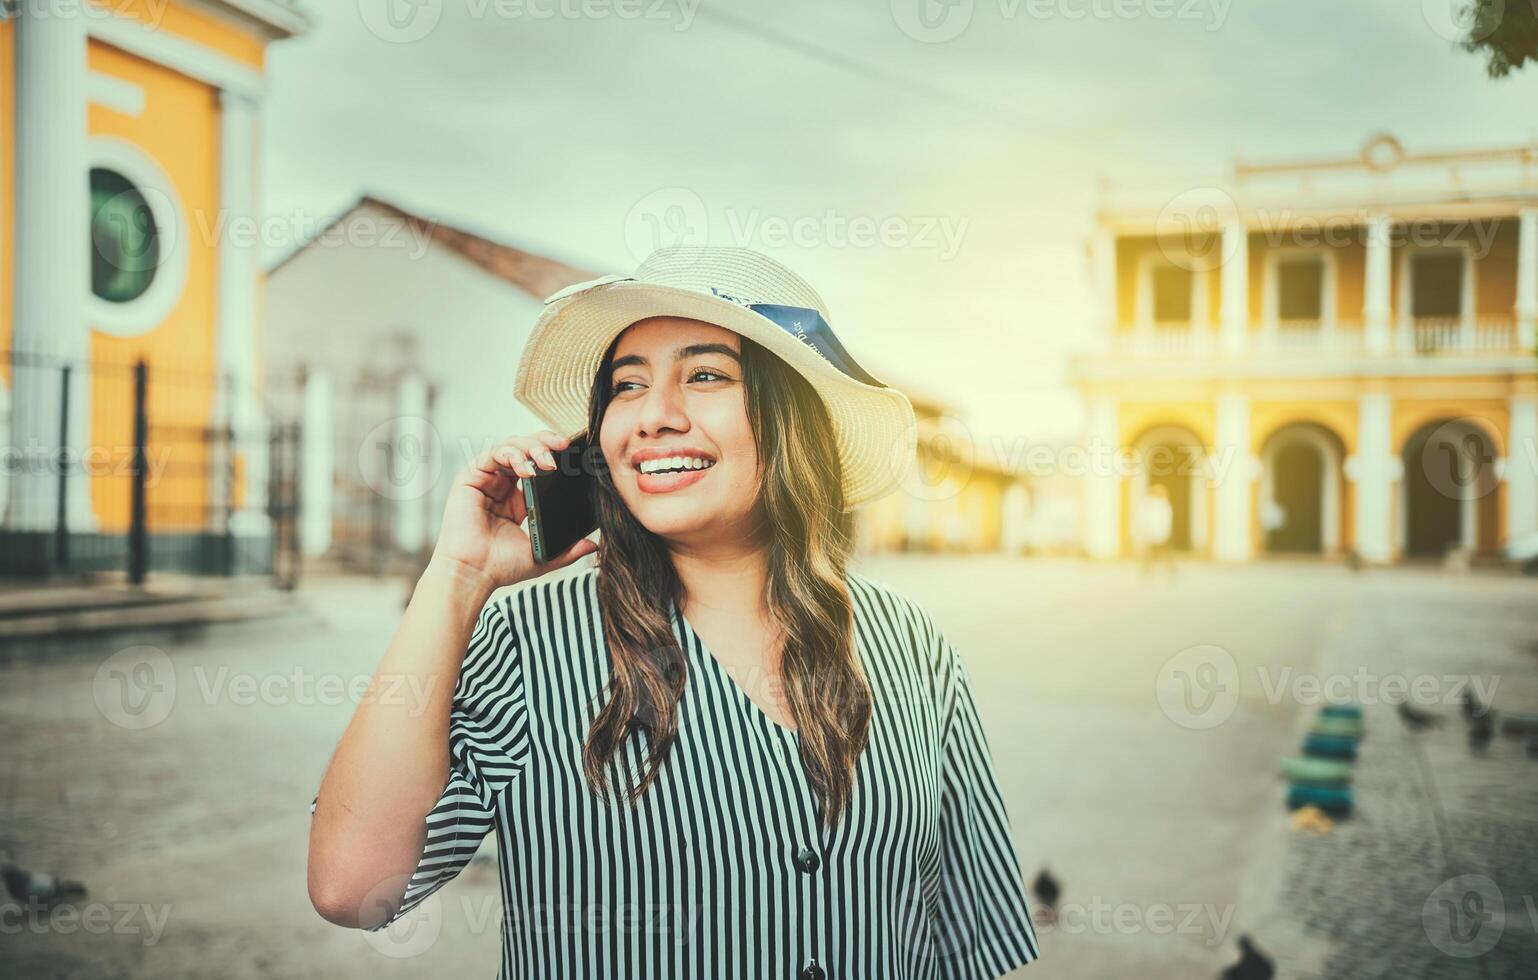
{"type": "Point", "coordinates": [561, 501]}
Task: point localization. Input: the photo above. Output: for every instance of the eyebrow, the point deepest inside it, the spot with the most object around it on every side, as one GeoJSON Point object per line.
{"type": "Point", "coordinates": [679, 354]}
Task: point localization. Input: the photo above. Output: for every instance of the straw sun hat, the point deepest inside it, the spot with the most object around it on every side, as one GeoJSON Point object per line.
{"type": "Point", "coordinates": [745, 292]}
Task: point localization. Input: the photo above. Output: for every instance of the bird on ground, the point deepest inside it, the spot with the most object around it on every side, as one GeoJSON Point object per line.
{"type": "Point", "coordinates": [1481, 730]}
{"type": "Point", "coordinates": [1472, 706]}
{"type": "Point", "coordinates": [39, 890]}
{"type": "Point", "coordinates": [1252, 965]}
{"type": "Point", "coordinates": [1415, 719]}
{"type": "Point", "coordinates": [1047, 891]}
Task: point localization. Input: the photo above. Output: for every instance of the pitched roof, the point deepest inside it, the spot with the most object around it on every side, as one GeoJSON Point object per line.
{"type": "Point", "coordinates": [534, 274]}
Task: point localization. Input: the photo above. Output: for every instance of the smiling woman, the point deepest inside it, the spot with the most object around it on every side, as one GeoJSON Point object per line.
{"type": "Point", "coordinates": [722, 720]}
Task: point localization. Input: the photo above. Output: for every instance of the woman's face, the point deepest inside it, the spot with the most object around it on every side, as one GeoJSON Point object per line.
{"type": "Point", "coordinates": [677, 391]}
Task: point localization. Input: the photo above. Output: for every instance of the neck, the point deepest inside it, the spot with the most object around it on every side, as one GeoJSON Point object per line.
{"type": "Point", "coordinates": [725, 577]}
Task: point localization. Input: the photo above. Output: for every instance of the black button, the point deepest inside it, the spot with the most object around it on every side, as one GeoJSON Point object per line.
{"type": "Point", "coordinates": [812, 971]}
{"type": "Point", "coordinates": [806, 860]}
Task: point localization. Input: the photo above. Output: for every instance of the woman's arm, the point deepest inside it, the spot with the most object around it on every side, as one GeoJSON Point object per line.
{"type": "Point", "coordinates": [392, 762]}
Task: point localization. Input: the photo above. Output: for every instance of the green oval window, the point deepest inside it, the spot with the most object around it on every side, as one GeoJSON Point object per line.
{"type": "Point", "coordinates": [125, 244]}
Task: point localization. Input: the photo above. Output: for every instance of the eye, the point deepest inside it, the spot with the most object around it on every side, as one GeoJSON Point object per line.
{"type": "Point", "coordinates": [707, 371]}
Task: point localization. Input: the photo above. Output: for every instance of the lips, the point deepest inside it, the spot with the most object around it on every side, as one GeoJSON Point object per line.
{"type": "Point", "coordinates": [684, 468]}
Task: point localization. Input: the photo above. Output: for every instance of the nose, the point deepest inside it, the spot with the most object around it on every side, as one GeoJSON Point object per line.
{"type": "Point", "coordinates": [662, 409]}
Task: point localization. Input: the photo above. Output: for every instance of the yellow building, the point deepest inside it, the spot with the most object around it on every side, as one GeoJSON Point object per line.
{"type": "Point", "coordinates": [1330, 356]}
{"type": "Point", "coordinates": [129, 139]}
{"type": "Point", "coordinates": [957, 497]}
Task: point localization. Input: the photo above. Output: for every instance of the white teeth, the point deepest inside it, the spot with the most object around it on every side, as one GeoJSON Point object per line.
{"type": "Point", "coordinates": [675, 463]}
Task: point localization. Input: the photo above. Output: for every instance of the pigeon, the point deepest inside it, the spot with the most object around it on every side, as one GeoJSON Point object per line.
{"type": "Point", "coordinates": [39, 890]}
{"type": "Point", "coordinates": [1252, 965]}
{"type": "Point", "coordinates": [1481, 730]}
{"type": "Point", "coordinates": [1472, 706]}
{"type": "Point", "coordinates": [1047, 891]}
{"type": "Point", "coordinates": [1415, 719]}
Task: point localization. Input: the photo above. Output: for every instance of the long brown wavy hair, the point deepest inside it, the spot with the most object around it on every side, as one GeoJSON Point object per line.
{"type": "Point", "coordinates": [809, 539]}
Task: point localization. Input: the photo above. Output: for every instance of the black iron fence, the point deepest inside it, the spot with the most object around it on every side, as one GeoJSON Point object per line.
{"type": "Point", "coordinates": [133, 467]}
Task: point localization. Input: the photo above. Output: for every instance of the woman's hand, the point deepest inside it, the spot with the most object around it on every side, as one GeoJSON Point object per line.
{"type": "Point", "coordinates": [481, 533]}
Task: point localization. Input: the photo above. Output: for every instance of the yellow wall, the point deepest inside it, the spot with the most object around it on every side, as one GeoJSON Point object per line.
{"type": "Point", "coordinates": [184, 22]}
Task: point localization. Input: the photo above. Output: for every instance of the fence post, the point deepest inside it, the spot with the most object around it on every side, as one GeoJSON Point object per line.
{"type": "Point", "coordinates": [138, 538]}
{"type": "Point", "coordinates": [61, 515]}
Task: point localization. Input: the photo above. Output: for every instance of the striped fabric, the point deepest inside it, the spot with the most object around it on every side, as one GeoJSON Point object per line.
{"type": "Point", "coordinates": [723, 869]}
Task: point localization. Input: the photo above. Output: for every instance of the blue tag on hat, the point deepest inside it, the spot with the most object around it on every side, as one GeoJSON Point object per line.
{"type": "Point", "coordinates": [808, 326]}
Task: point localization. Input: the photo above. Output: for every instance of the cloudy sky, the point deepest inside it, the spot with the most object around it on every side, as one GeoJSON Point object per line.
{"type": "Point", "coordinates": [929, 165]}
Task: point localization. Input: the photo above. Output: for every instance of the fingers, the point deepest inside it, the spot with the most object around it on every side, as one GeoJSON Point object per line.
{"type": "Point", "coordinates": [581, 547]}
{"type": "Point", "coordinates": [523, 454]}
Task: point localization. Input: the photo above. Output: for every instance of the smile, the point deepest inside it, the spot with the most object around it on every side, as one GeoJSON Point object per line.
{"type": "Point", "coordinates": [665, 474]}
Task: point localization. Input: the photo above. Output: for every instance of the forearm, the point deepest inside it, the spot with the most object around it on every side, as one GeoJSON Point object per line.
{"type": "Point", "coordinates": [392, 762]}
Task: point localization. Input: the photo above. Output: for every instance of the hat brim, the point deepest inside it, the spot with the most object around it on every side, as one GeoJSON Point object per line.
{"type": "Point", "coordinates": [875, 427]}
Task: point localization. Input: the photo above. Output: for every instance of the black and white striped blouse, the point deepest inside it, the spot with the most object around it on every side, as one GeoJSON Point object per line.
{"type": "Point", "coordinates": [723, 869]}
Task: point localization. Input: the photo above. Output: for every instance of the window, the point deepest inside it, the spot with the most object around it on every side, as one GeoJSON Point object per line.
{"type": "Point", "coordinates": [1436, 284]}
{"type": "Point", "coordinates": [1171, 294]}
{"type": "Point", "coordinates": [1300, 289]}
{"type": "Point", "coordinates": [125, 241]}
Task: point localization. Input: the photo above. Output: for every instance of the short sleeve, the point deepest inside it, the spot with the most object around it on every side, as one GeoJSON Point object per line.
{"type": "Point", "coordinates": [983, 927]}
{"type": "Point", "coordinates": [488, 748]}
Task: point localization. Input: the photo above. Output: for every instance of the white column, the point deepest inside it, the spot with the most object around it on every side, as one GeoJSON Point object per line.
{"type": "Point", "coordinates": [316, 466]}
{"type": "Point", "coordinates": [412, 442]}
{"type": "Point", "coordinates": [1102, 484]}
{"type": "Point", "coordinates": [1372, 472]}
{"type": "Point", "coordinates": [1103, 275]}
{"type": "Point", "coordinates": [1236, 289]}
{"type": "Point", "coordinates": [1375, 301]}
{"type": "Point", "coordinates": [237, 278]}
{"type": "Point", "coordinates": [1527, 279]}
{"type": "Point", "coordinates": [52, 265]}
{"type": "Point", "coordinates": [1522, 468]}
{"type": "Point", "coordinates": [1234, 473]}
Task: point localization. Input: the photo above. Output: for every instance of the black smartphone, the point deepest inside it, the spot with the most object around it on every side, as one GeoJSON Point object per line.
{"type": "Point", "coordinates": [561, 502]}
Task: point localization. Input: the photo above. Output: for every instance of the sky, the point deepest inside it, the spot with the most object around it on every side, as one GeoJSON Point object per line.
{"type": "Point", "coordinates": [930, 166]}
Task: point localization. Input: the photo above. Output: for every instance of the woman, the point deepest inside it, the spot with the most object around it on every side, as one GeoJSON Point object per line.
{"type": "Point", "coordinates": [719, 753]}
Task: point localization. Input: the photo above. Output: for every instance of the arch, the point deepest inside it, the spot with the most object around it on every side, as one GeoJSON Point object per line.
{"type": "Point", "coordinates": [1174, 456]}
{"type": "Point", "coordinates": [1448, 497]}
{"type": "Point", "coordinates": [1301, 471]}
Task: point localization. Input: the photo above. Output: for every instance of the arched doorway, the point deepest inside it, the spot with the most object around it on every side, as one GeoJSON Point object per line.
{"type": "Point", "coordinates": [1300, 491]}
{"type": "Point", "coordinates": [1172, 456]}
{"type": "Point", "coordinates": [1448, 501]}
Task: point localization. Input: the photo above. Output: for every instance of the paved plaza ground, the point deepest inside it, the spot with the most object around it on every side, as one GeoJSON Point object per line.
{"type": "Point", "coordinates": [1136, 724]}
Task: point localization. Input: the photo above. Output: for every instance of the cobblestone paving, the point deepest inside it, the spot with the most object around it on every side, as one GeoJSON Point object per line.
{"type": "Point", "coordinates": [1435, 875]}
